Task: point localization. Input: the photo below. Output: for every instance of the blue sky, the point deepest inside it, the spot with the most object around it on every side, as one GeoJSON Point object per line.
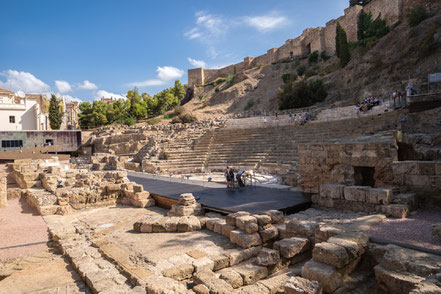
{"type": "Point", "coordinates": [88, 49]}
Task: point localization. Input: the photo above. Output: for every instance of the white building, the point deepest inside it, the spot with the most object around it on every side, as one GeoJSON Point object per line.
{"type": "Point", "coordinates": [22, 113]}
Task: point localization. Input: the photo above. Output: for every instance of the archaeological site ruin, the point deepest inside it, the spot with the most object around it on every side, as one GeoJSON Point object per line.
{"type": "Point", "coordinates": [334, 199]}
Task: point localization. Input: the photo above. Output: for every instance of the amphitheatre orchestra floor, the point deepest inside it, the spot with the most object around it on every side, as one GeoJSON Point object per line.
{"type": "Point", "coordinates": [218, 198]}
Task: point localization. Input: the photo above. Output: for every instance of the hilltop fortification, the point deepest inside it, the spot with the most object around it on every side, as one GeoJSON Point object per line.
{"type": "Point", "coordinates": [320, 39]}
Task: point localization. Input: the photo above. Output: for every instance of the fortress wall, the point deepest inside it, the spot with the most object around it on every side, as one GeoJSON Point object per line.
{"type": "Point", "coordinates": [391, 11]}
{"type": "Point", "coordinates": [317, 39]}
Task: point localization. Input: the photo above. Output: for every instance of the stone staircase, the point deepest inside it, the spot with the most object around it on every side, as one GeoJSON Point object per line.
{"type": "Point", "coordinates": [270, 149]}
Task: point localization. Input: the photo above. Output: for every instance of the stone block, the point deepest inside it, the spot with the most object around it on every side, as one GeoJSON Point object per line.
{"type": "Point", "coordinates": [379, 196]}
{"type": "Point", "coordinates": [232, 277]}
{"type": "Point", "coordinates": [263, 219]}
{"type": "Point", "coordinates": [179, 273]}
{"type": "Point", "coordinates": [140, 195]}
{"type": "Point", "coordinates": [251, 273]}
{"type": "Point", "coordinates": [355, 193]}
{"type": "Point", "coordinates": [302, 227]}
{"type": "Point", "coordinates": [236, 256]}
{"type": "Point", "coordinates": [215, 285]}
{"type": "Point", "coordinates": [277, 217]}
{"type": "Point", "coordinates": [268, 257]}
{"type": "Point", "coordinates": [162, 285]}
{"type": "Point", "coordinates": [331, 254]}
{"type": "Point", "coordinates": [188, 224]}
{"type": "Point", "coordinates": [298, 285]}
{"type": "Point", "coordinates": [436, 230]}
{"type": "Point", "coordinates": [218, 225]}
{"type": "Point", "coordinates": [241, 221]}
{"type": "Point", "coordinates": [245, 240]}
{"type": "Point", "coordinates": [186, 199]}
{"type": "Point", "coordinates": [253, 289]}
{"type": "Point", "coordinates": [391, 281]}
{"type": "Point", "coordinates": [210, 223]}
{"type": "Point", "coordinates": [327, 275]}
{"type": "Point", "coordinates": [269, 234]}
{"type": "Point", "coordinates": [137, 188]}
{"type": "Point", "coordinates": [290, 247]}
{"type": "Point", "coordinates": [438, 168]}
{"type": "Point", "coordinates": [226, 230]}
{"type": "Point", "coordinates": [251, 228]}
{"type": "Point", "coordinates": [327, 231]}
{"type": "Point", "coordinates": [201, 289]}
{"type": "Point", "coordinates": [275, 284]}
{"type": "Point", "coordinates": [203, 264]}
{"type": "Point", "coordinates": [332, 191]}
{"type": "Point", "coordinates": [397, 210]}
{"type": "Point", "coordinates": [220, 261]}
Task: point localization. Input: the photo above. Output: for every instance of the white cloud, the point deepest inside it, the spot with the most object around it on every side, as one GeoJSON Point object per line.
{"type": "Point", "coordinates": [208, 27]}
{"type": "Point", "coordinates": [63, 86]}
{"type": "Point", "coordinates": [164, 75]}
{"type": "Point", "coordinates": [22, 81]}
{"type": "Point", "coordinates": [168, 73]}
{"type": "Point", "coordinates": [71, 99]}
{"type": "Point", "coordinates": [266, 23]}
{"type": "Point", "coordinates": [102, 93]}
{"type": "Point", "coordinates": [196, 63]}
{"type": "Point", "coordinates": [86, 85]}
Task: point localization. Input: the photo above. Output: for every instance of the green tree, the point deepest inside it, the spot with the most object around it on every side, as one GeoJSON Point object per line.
{"type": "Point", "coordinates": [99, 109]}
{"type": "Point", "coordinates": [178, 90]}
{"type": "Point", "coordinates": [55, 113]}
{"type": "Point", "coordinates": [369, 28]}
{"type": "Point", "coordinates": [85, 116]}
{"type": "Point", "coordinates": [119, 110]}
{"type": "Point", "coordinates": [342, 46]}
{"type": "Point", "coordinates": [301, 94]}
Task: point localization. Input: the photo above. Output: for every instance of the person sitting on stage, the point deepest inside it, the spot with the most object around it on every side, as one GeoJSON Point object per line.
{"type": "Point", "coordinates": [227, 176]}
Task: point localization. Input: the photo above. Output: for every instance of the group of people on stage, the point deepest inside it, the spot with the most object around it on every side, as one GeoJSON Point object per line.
{"type": "Point", "coordinates": [229, 176]}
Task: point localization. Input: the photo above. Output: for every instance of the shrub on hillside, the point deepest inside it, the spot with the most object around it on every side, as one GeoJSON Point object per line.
{"type": "Point", "coordinates": [153, 121]}
{"type": "Point", "coordinates": [301, 69]}
{"type": "Point", "coordinates": [288, 77]}
{"type": "Point", "coordinates": [129, 121]}
{"type": "Point", "coordinates": [301, 94]}
{"type": "Point", "coordinates": [416, 15]}
{"type": "Point", "coordinates": [428, 44]}
{"type": "Point", "coordinates": [184, 119]}
{"type": "Point", "coordinates": [323, 56]}
{"type": "Point", "coordinates": [313, 57]}
{"type": "Point", "coordinates": [178, 110]}
{"type": "Point", "coordinates": [250, 103]}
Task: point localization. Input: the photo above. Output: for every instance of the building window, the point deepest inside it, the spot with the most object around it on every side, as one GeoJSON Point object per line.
{"type": "Point", "coordinates": [12, 143]}
{"type": "Point", "coordinates": [12, 119]}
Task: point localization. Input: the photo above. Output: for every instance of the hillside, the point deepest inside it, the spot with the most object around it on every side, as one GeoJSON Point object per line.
{"type": "Point", "coordinates": [387, 66]}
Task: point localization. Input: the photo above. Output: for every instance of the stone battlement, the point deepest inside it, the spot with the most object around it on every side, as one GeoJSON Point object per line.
{"type": "Point", "coordinates": [320, 39]}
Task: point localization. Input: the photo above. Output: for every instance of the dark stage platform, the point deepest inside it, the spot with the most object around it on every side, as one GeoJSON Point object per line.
{"type": "Point", "coordinates": [217, 198]}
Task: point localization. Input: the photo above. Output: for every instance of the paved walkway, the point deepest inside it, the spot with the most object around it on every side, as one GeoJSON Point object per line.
{"type": "Point", "coordinates": [212, 195]}
{"type": "Point", "coordinates": [21, 225]}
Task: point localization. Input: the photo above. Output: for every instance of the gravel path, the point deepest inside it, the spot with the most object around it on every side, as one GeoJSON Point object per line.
{"type": "Point", "coordinates": [415, 230]}
{"type": "Point", "coordinates": [20, 224]}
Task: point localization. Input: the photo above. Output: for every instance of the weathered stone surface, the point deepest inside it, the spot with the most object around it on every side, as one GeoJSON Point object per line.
{"type": "Point", "coordinates": [245, 240]}
{"type": "Point", "coordinates": [330, 253]}
{"type": "Point", "coordinates": [269, 234]}
{"type": "Point", "coordinates": [242, 221]}
{"type": "Point", "coordinates": [394, 281]}
{"type": "Point", "coordinates": [179, 273]}
{"type": "Point", "coordinates": [201, 289]}
{"type": "Point", "coordinates": [215, 285]}
{"type": "Point", "coordinates": [379, 196]}
{"type": "Point", "coordinates": [290, 247]}
{"type": "Point", "coordinates": [263, 219]}
{"type": "Point", "coordinates": [226, 230]}
{"type": "Point", "coordinates": [397, 210]}
{"type": "Point", "coordinates": [326, 275]}
{"type": "Point", "coordinates": [251, 273]}
{"type": "Point", "coordinates": [186, 199]}
{"type": "Point", "coordinates": [355, 193]}
{"type": "Point", "coordinates": [332, 191]}
{"type": "Point", "coordinates": [277, 217]}
{"type": "Point", "coordinates": [203, 264]}
{"type": "Point", "coordinates": [302, 227]}
{"type": "Point", "coordinates": [236, 256]}
{"type": "Point", "coordinates": [436, 231]}
{"type": "Point", "coordinates": [298, 285]}
{"type": "Point", "coordinates": [3, 190]}
{"type": "Point", "coordinates": [163, 285]}
{"type": "Point", "coordinates": [275, 284]}
{"type": "Point", "coordinates": [251, 228]}
{"type": "Point", "coordinates": [268, 257]}
{"type": "Point", "coordinates": [253, 289]}
{"type": "Point", "coordinates": [220, 261]}
{"type": "Point", "coordinates": [232, 277]}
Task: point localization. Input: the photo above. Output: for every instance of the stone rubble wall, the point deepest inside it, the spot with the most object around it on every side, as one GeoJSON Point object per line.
{"type": "Point", "coordinates": [424, 176]}
{"type": "Point", "coordinates": [54, 188]}
{"type": "Point", "coordinates": [364, 199]}
{"type": "Point", "coordinates": [332, 163]}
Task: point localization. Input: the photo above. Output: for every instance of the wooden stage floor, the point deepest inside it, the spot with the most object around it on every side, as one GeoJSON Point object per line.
{"type": "Point", "coordinates": [218, 198]}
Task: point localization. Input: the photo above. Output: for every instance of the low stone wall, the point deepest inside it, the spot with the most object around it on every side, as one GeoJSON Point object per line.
{"type": "Point", "coordinates": [361, 199]}
{"type": "Point", "coordinates": [333, 163]}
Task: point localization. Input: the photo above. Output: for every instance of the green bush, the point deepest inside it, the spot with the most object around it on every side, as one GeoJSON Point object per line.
{"type": "Point", "coordinates": [368, 28]}
{"type": "Point", "coordinates": [416, 15]}
{"type": "Point", "coordinates": [310, 72]}
{"type": "Point", "coordinates": [250, 103]}
{"type": "Point", "coordinates": [301, 69]}
{"type": "Point", "coordinates": [129, 121]}
{"type": "Point", "coordinates": [217, 90]}
{"type": "Point", "coordinates": [184, 119]}
{"type": "Point", "coordinates": [178, 110]}
{"type": "Point", "coordinates": [287, 77]}
{"type": "Point", "coordinates": [301, 94]}
{"type": "Point", "coordinates": [229, 81]}
{"type": "Point", "coordinates": [313, 57]}
{"type": "Point", "coordinates": [428, 44]}
{"type": "Point", "coordinates": [323, 56]}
